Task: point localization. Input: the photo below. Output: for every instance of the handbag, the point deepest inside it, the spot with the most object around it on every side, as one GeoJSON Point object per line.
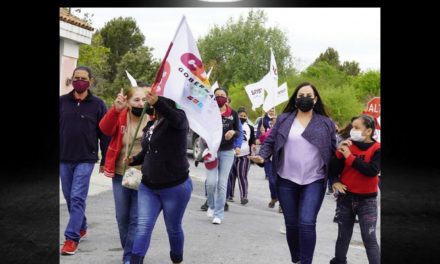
{"type": "Point", "coordinates": [132, 176]}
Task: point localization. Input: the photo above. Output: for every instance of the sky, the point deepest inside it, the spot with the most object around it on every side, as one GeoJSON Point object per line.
{"type": "Point", "coordinates": [353, 32]}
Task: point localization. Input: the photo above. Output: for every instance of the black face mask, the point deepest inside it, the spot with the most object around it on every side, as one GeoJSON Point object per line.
{"type": "Point", "coordinates": [305, 104]}
{"type": "Point", "coordinates": [137, 111]}
{"type": "Point", "coordinates": [243, 120]}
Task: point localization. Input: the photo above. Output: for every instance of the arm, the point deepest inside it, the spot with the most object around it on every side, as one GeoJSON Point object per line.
{"type": "Point", "coordinates": [138, 159]}
{"type": "Point", "coordinates": [108, 123]}
{"type": "Point", "coordinates": [370, 169]}
{"type": "Point", "coordinates": [258, 128]}
{"type": "Point", "coordinates": [176, 117]}
{"type": "Point", "coordinates": [252, 136]}
{"type": "Point", "coordinates": [103, 139]}
{"type": "Point", "coordinates": [239, 140]}
{"type": "Point", "coordinates": [336, 167]}
{"type": "Point", "coordinates": [269, 143]}
{"type": "Point", "coordinates": [237, 128]}
{"type": "Point", "coordinates": [334, 142]}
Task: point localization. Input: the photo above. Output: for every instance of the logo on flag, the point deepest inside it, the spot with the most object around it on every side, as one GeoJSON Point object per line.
{"type": "Point", "coordinates": [182, 78]}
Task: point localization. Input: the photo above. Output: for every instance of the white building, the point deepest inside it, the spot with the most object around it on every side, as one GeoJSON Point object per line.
{"type": "Point", "coordinates": [73, 33]}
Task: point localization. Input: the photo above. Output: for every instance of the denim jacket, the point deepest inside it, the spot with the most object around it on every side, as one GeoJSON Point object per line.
{"type": "Point", "coordinates": [320, 132]}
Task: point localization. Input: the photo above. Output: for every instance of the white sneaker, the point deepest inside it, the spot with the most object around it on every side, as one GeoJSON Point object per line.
{"type": "Point", "coordinates": [216, 221]}
{"type": "Point", "coordinates": [283, 229]}
{"type": "Point", "coordinates": [210, 212]}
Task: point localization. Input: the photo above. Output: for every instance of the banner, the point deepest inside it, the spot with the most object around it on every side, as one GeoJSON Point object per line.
{"type": "Point", "coordinates": [182, 78]}
{"type": "Point", "coordinates": [275, 98]}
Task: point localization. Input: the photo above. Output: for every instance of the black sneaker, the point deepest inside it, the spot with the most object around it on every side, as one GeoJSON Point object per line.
{"type": "Point", "coordinates": [226, 207]}
{"type": "Point", "coordinates": [244, 201]}
{"type": "Point", "coordinates": [230, 199]}
{"type": "Point", "coordinates": [204, 207]}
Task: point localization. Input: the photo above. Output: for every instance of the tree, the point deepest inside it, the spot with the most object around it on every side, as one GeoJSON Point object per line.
{"type": "Point", "coordinates": [240, 50]}
{"type": "Point", "coordinates": [331, 56]}
{"type": "Point", "coordinates": [120, 35]}
{"type": "Point", "coordinates": [96, 56]}
{"type": "Point", "coordinates": [86, 17]}
{"type": "Point", "coordinates": [140, 64]}
{"type": "Point", "coordinates": [367, 85]}
{"type": "Point", "coordinates": [351, 68]}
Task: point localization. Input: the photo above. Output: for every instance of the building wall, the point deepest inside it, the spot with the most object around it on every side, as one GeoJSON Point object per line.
{"type": "Point", "coordinates": [71, 37]}
{"type": "Point", "coordinates": [69, 52]}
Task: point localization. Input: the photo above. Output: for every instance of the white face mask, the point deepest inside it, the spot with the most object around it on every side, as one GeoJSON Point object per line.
{"type": "Point", "coordinates": [356, 135]}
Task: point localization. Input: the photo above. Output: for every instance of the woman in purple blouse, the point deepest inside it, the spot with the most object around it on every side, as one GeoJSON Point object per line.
{"type": "Point", "coordinates": [301, 144]}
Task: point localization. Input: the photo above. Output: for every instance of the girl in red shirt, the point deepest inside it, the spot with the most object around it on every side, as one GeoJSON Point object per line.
{"type": "Point", "coordinates": [357, 162]}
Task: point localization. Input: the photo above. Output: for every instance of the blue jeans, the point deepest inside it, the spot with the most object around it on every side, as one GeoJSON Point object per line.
{"type": "Point", "coordinates": [173, 202]}
{"type": "Point", "coordinates": [301, 204]}
{"type": "Point", "coordinates": [126, 214]}
{"type": "Point", "coordinates": [271, 179]}
{"type": "Point", "coordinates": [348, 206]}
{"type": "Point", "coordinates": [75, 180]}
{"type": "Point", "coordinates": [217, 182]}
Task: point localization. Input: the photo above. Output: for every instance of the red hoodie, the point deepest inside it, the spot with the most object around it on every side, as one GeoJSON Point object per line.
{"type": "Point", "coordinates": [356, 181]}
{"type": "Point", "coordinates": [113, 124]}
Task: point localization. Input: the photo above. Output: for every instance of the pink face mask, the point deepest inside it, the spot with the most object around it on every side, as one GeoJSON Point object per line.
{"type": "Point", "coordinates": [221, 101]}
{"type": "Point", "coordinates": [80, 86]}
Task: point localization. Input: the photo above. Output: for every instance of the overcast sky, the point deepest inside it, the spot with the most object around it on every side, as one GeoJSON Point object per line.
{"type": "Point", "coordinates": [353, 32]}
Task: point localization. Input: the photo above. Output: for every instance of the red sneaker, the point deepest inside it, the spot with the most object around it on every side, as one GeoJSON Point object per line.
{"type": "Point", "coordinates": [69, 247]}
{"type": "Point", "coordinates": [82, 234]}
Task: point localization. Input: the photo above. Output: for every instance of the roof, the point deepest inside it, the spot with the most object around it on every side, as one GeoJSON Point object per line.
{"type": "Point", "coordinates": [71, 19]}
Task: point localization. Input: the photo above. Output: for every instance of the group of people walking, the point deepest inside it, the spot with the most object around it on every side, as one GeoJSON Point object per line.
{"type": "Point", "coordinates": [299, 152]}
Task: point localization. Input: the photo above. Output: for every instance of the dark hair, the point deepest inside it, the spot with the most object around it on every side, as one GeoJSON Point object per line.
{"type": "Point", "coordinates": [83, 68]}
{"type": "Point", "coordinates": [169, 102]}
{"type": "Point", "coordinates": [319, 107]}
{"type": "Point", "coordinates": [143, 84]}
{"type": "Point", "coordinates": [368, 122]}
{"type": "Point", "coordinates": [223, 89]}
{"type": "Point", "coordinates": [345, 132]}
{"type": "Point", "coordinates": [241, 109]}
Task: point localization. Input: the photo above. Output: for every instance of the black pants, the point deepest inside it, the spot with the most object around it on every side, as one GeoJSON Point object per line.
{"type": "Point", "coordinates": [348, 206]}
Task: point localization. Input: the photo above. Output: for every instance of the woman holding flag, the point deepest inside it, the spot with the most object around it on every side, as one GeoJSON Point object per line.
{"type": "Point", "coordinates": [166, 184]}
{"type": "Point", "coordinates": [219, 169]}
{"type": "Point", "coordinates": [120, 123]}
{"type": "Point", "coordinates": [301, 144]}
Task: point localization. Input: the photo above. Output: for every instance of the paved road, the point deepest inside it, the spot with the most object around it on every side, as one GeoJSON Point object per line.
{"type": "Point", "coordinates": [248, 235]}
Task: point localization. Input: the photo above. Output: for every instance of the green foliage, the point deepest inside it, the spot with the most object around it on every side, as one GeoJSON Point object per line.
{"type": "Point", "coordinates": [331, 56]}
{"type": "Point", "coordinates": [351, 68]}
{"type": "Point", "coordinates": [96, 56]}
{"type": "Point", "coordinates": [140, 64]}
{"type": "Point", "coordinates": [344, 96]}
{"type": "Point", "coordinates": [120, 35]}
{"type": "Point", "coordinates": [86, 17]}
{"type": "Point", "coordinates": [367, 85]}
{"type": "Point", "coordinates": [341, 103]}
{"type": "Point", "coordinates": [240, 50]}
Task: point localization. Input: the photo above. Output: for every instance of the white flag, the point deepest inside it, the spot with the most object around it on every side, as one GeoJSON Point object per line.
{"type": "Point", "coordinates": [271, 77]}
{"type": "Point", "coordinates": [182, 78]}
{"type": "Point", "coordinates": [274, 99]}
{"type": "Point", "coordinates": [255, 92]}
{"type": "Point", "coordinates": [209, 73]}
{"type": "Point", "coordinates": [214, 86]}
{"type": "Point", "coordinates": [269, 83]}
{"type": "Point", "coordinates": [132, 80]}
